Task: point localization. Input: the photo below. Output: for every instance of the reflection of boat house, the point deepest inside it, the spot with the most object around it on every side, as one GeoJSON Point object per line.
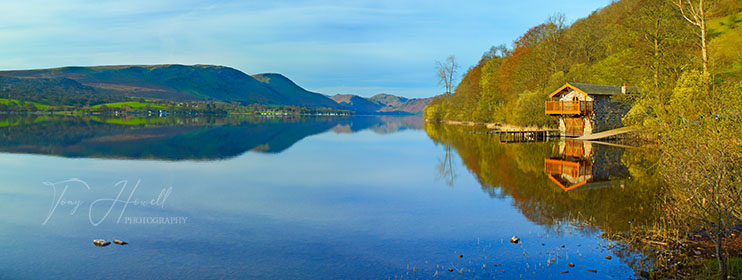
{"type": "Point", "coordinates": [576, 165]}
{"type": "Point", "coordinates": [583, 109]}
{"type": "Point", "coordinates": [572, 167]}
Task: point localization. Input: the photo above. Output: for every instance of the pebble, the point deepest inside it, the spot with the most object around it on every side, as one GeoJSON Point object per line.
{"type": "Point", "coordinates": [514, 239]}
{"type": "Point", "coordinates": [101, 243]}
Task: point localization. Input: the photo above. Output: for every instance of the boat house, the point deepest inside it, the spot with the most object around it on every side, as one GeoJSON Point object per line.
{"type": "Point", "coordinates": [584, 109]}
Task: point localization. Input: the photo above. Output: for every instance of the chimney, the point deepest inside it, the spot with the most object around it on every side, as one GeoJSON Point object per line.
{"type": "Point", "coordinates": [623, 89]}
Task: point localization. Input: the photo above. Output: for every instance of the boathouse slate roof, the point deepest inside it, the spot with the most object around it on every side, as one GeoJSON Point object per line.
{"type": "Point", "coordinates": [597, 89]}
{"type": "Point", "coordinates": [590, 89]}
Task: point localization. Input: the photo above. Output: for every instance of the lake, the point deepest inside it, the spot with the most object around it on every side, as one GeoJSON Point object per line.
{"type": "Point", "coordinates": [364, 197]}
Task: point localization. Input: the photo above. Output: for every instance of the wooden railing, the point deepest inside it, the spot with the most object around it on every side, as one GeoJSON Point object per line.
{"type": "Point", "coordinates": [569, 107]}
{"type": "Point", "coordinates": [578, 171]}
{"type": "Point", "coordinates": [570, 168]}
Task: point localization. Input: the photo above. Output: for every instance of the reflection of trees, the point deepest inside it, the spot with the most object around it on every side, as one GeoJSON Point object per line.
{"type": "Point", "coordinates": [517, 170]}
{"type": "Point", "coordinates": [445, 167]}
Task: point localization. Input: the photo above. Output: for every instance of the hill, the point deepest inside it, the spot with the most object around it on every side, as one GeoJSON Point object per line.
{"type": "Point", "coordinates": [356, 103]}
{"type": "Point", "coordinates": [388, 100]}
{"type": "Point", "coordinates": [168, 82]}
{"type": "Point", "coordinates": [414, 106]}
{"type": "Point", "coordinates": [385, 104]}
{"type": "Point", "coordinates": [93, 86]}
{"type": "Point", "coordinates": [293, 93]}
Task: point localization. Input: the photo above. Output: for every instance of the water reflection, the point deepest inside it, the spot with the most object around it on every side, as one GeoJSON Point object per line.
{"type": "Point", "coordinates": [573, 166]}
{"type": "Point", "coordinates": [176, 138]}
{"type": "Point", "coordinates": [348, 203]}
{"type": "Point", "coordinates": [446, 170]}
{"type": "Point", "coordinates": [603, 187]}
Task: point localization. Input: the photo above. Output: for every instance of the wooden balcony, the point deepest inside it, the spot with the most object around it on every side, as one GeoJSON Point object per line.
{"type": "Point", "coordinates": [569, 168]}
{"type": "Point", "coordinates": [578, 171]}
{"type": "Point", "coordinates": [583, 108]}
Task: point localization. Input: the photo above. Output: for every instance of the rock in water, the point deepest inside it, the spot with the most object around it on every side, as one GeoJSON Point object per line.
{"type": "Point", "coordinates": [514, 240]}
{"type": "Point", "coordinates": [101, 243]}
{"type": "Point", "coordinates": [120, 242]}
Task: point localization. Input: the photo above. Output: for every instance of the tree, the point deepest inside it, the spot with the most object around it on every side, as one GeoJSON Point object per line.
{"type": "Point", "coordinates": [694, 11]}
{"type": "Point", "coordinates": [446, 74]}
{"type": "Point", "coordinates": [656, 27]}
{"type": "Point", "coordinates": [701, 156]}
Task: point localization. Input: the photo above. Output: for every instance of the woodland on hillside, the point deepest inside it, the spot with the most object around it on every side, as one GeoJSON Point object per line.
{"type": "Point", "coordinates": [643, 43]}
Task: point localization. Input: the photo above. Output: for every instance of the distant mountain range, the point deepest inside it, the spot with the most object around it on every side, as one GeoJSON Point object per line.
{"type": "Point", "coordinates": [381, 103]}
{"type": "Point", "coordinates": [103, 84]}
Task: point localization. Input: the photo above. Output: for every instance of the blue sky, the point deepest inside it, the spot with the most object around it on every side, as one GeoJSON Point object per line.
{"type": "Point", "coordinates": [360, 47]}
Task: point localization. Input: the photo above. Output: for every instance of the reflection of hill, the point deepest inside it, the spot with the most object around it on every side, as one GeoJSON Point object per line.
{"type": "Point", "coordinates": [192, 138]}
{"type": "Point", "coordinates": [380, 124]}
{"type": "Point", "coordinates": [517, 170]}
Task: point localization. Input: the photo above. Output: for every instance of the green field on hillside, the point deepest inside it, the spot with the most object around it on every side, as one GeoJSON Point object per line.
{"type": "Point", "coordinates": [131, 104]}
{"type": "Point", "coordinates": [8, 102]}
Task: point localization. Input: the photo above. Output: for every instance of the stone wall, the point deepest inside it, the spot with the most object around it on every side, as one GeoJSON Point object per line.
{"type": "Point", "coordinates": [607, 113]}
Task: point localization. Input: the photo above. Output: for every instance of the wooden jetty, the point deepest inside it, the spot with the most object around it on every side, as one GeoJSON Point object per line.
{"type": "Point", "coordinates": [527, 136]}
{"type": "Point", "coordinates": [610, 134]}
{"type": "Point", "coordinates": [546, 135]}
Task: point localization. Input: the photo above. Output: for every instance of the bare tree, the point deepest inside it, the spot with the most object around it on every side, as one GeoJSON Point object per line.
{"type": "Point", "coordinates": [446, 74]}
{"type": "Point", "coordinates": [445, 166]}
{"type": "Point", "coordinates": [694, 11]}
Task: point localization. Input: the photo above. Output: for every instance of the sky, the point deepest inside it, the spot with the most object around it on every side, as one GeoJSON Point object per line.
{"type": "Point", "coordinates": [331, 47]}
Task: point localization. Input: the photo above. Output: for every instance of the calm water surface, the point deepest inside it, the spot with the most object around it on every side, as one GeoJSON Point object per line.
{"type": "Point", "coordinates": [308, 198]}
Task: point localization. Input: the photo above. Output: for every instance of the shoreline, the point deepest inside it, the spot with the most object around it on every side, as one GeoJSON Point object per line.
{"type": "Point", "coordinates": [496, 126]}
